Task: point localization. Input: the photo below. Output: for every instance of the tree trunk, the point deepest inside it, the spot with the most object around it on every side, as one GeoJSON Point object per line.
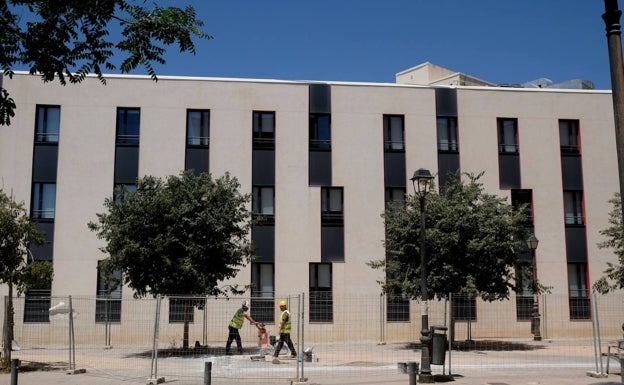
{"type": "Point", "coordinates": [185, 336]}
{"type": "Point", "coordinates": [10, 323]}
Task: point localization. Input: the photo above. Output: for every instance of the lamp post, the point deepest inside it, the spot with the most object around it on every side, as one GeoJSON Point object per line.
{"type": "Point", "coordinates": [422, 182]}
{"type": "Point", "coordinates": [532, 243]}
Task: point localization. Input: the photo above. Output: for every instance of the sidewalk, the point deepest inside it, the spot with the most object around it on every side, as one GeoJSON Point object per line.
{"type": "Point", "coordinates": [518, 376]}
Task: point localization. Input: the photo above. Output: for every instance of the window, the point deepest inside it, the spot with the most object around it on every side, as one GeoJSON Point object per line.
{"type": "Point", "coordinates": [573, 206]}
{"type": "Point", "coordinates": [569, 136]}
{"type": "Point", "coordinates": [321, 299]}
{"type": "Point", "coordinates": [447, 134]}
{"type": "Point", "coordinates": [579, 296]}
{"type": "Point", "coordinates": [128, 129]}
{"type": "Point", "coordinates": [122, 190]}
{"type": "Point", "coordinates": [182, 309]}
{"type": "Point", "coordinates": [331, 204]}
{"type": "Point", "coordinates": [520, 198]}
{"type": "Point", "coordinates": [320, 131]}
{"type": "Point", "coordinates": [393, 133]}
{"type": "Point", "coordinates": [263, 200]}
{"type": "Point", "coordinates": [262, 292]}
{"type": "Point", "coordinates": [198, 128]}
{"type": "Point", "coordinates": [37, 304]}
{"type": "Point", "coordinates": [395, 195]}
{"type": "Point", "coordinates": [108, 303]}
{"type": "Point", "coordinates": [507, 135]}
{"type": "Point", "coordinates": [465, 308]}
{"type": "Point", "coordinates": [264, 129]}
{"type": "Point", "coordinates": [524, 295]}
{"type": "Point", "coordinates": [48, 121]}
{"type": "Point", "coordinates": [43, 200]}
{"type": "Point", "coordinates": [397, 308]}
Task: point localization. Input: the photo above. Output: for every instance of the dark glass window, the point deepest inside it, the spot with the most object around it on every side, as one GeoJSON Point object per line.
{"type": "Point", "coordinates": [178, 307]}
{"type": "Point", "coordinates": [465, 308]}
{"type": "Point", "coordinates": [520, 198]}
{"type": "Point", "coordinates": [128, 125]}
{"type": "Point", "coordinates": [524, 295]}
{"type": "Point", "coordinates": [122, 190]}
{"type": "Point", "coordinates": [264, 129]}
{"type": "Point", "coordinates": [263, 292]}
{"type": "Point", "coordinates": [569, 136]}
{"type": "Point", "coordinates": [394, 133]}
{"type": "Point", "coordinates": [198, 128]}
{"type": "Point", "coordinates": [320, 131]}
{"type": "Point", "coordinates": [331, 205]}
{"type": "Point", "coordinates": [108, 303]}
{"type": "Point", "coordinates": [397, 309]}
{"type": "Point", "coordinates": [394, 195]}
{"type": "Point", "coordinates": [447, 134]}
{"type": "Point", "coordinates": [578, 294]}
{"type": "Point", "coordinates": [573, 206]}
{"type": "Point", "coordinates": [321, 297]}
{"type": "Point", "coordinates": [47, 125]}
{"type": "Point", "coordinates": [263, 199]}
{"type": "Point", "coordinates": [507, 135]}
{"type": "Point", "coordinates": [43, 200]}
{"type": "Point", "coordinates": [37, 304]}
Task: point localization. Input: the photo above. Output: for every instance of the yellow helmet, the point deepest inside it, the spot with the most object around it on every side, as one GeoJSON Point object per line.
{"type": "Point", "coordinates": [282, 303]}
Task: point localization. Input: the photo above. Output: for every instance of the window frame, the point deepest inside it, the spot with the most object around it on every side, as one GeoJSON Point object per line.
{"type": "Point", "coordinates": [39, 194]}
{"type": "Point", "coordinates": [319, 134]}
{"type": "Point", "coordinates": [203, 140]}
{"type": "Point", "coordinates": [108, 299]}
{"type": "Point", "coordinates": [505, 147]}
{"type": "Point", "coordinates": [42, 124]}
{"type": "Point", "coordinates": [125, 135]}
{"type": "Point", "coordinates": [573, 208]}
{"type": "Point", "coordinates": [262, 302]}
{"type": "Point", "coordinates": [392, 144]}
{"type": "Point", "coordinates": [258, 197]}
{"type": "Point", "coordinates": [263, 131]}
{"type": "Point", "coordinates": [447, 143]}
{"type": "Point", "coordinates": [570, 130]}
{"type": "Point", "coordinates": [320, 296]}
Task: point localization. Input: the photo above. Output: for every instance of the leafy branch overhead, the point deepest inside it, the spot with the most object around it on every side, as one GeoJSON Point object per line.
{"type": "Point", "coordinates": [69, 39]}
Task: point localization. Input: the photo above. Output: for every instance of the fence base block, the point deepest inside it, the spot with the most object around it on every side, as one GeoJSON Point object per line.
{"type": "Point", "coordinates": [154, 381]}
{"type": "Point", "coordinates": [76, 371]}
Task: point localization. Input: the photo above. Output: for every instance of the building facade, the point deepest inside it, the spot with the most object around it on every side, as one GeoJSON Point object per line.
{"type": "Point", "coordinates": [321, 160]}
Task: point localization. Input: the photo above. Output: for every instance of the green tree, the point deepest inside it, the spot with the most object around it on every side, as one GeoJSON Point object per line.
{"type": "Point", "coordinates": [472, 243]}
{"type": "Point", "coordinates": [179, 236]}
{"type": "Point", "coordinates": [68, 39]}
{"type": "Point", "coordinates": [614, 273]}
{"type": "Point", "coordinates": [17, 232]}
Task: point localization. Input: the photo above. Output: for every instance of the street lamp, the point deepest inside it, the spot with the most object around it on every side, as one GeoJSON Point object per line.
{"type": "Point", "coordinates": [422, 182]}
{"type": "Point", "coordinates": [532, 243]}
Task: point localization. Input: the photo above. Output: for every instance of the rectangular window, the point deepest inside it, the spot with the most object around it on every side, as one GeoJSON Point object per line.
{"type": "Point", "coordinates": [394, 133]}
{"type": "Point", "coordinates": [263, 199]}
{"type": "Point", "coordinates": [580, 308]}
{"type": "Point", "coordinates": [263, 292]}
{"type": "Point", "coordinates": [569, 136]}
{"type": "Point", "coordinates": [524, 295]}
{"type": "Point", "coordinates": [523, 198]}
{"type": "Point", "coordinates": [37, 305]}
{"type": "Point", "coordinates": [182, 309]}
{"type": "Point", "coordinates": [507, 135]}
{"type": "Point", "coordinates": [264, 130]}
{"type": "Point", "coordinates": [394, 195]}
{"type": "Point", "coordinates": [320, 131]}
{"type": "Point", "coordinates": [47, 124]}
{"type": "Point", "coordinates": [397, 309]}
{"type": "Point", "coordinates": [447, 134]}
{"type": "Point", "coordinates": [122, 190]}
{"type": "Point", "coordinates": [43, 200]}
{"type": "Point", "coordinates": [198, 128]}
{"type": "Point", "coordinates": [108, 303]}
{"type": "Point", "coordinates": [331, 205]}
{"type": "Point", "coordinates": [128, 126]}
{"type": "Point", "coordinates": [465, 309]}
{"type": "Point", "coordinates": [321, 298]}
{"type": "Point", "coordinates": [573, 206]}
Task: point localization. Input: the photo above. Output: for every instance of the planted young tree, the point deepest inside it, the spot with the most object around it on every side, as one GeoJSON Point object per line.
{"type": "Point", "coordinates": [613, 278]}
{"type": "Point", "coordinates": [17, 232]}
{"type": "Point", "coordinates": [66, 40]}
{"type": "Point", "coordinates": [472, 243]}
{"type": "Point", "coordinates": [183, 235]}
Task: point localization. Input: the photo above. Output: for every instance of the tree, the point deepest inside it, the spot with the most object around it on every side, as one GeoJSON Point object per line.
{"type": "Point", "coordinates": [17, 232]}
{"type": "Point", "coordinates": [179, 236]}
{"type": "Point", "coordinates": [472, 243]}
{"type": "Point", "coordinates": [66, 40]}
{"type": "Point", "coordinates": [614, 274]}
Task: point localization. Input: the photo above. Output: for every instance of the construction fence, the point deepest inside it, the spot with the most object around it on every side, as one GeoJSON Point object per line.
{"type": "Point", "coordinates": [354, 336]}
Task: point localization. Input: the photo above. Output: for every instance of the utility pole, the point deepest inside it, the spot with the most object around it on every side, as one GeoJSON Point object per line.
{"type": "Point", "coordinates": [611, 18]}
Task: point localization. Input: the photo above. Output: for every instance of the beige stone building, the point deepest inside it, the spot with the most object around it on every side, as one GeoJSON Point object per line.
{"type": "Point", "coordinates": [321, 160]}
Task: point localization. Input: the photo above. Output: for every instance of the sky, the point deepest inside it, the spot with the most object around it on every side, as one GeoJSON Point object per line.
{"type": "Point", "coordinates": [501, 41]}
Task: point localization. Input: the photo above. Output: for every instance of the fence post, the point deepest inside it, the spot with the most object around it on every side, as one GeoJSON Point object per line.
{"type": "Point", "coordinates": [207, 373]}
{"type": "Point", "coordinates": [154, 368]}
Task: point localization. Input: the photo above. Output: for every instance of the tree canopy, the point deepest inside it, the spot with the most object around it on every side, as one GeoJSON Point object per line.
{"type": "Point", "coordinates": [472, 243]}
{"type": "Point", "coordinates": [67, 40]}
{"type": "Point", "coordinates": [614, 273]}
{"type": "Point", "coordinates": [17, 232]}
{"type": "Point", "coordinates": [180, 235]}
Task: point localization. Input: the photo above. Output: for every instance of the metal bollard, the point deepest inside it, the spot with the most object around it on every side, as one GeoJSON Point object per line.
{"type": "Point", "coordinates": [412, 371]}
{"type": "Point", "coordinates": [207, 373]}
{"type": "Point", "coordinates": [14, 370]}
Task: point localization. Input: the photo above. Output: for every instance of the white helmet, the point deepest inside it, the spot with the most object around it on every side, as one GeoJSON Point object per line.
{"type": "Point", "coordinates": [245, 304]}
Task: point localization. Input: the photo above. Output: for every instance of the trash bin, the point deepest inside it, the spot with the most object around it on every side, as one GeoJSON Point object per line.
{"type": "Point", "coordinates": [438, 344]}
